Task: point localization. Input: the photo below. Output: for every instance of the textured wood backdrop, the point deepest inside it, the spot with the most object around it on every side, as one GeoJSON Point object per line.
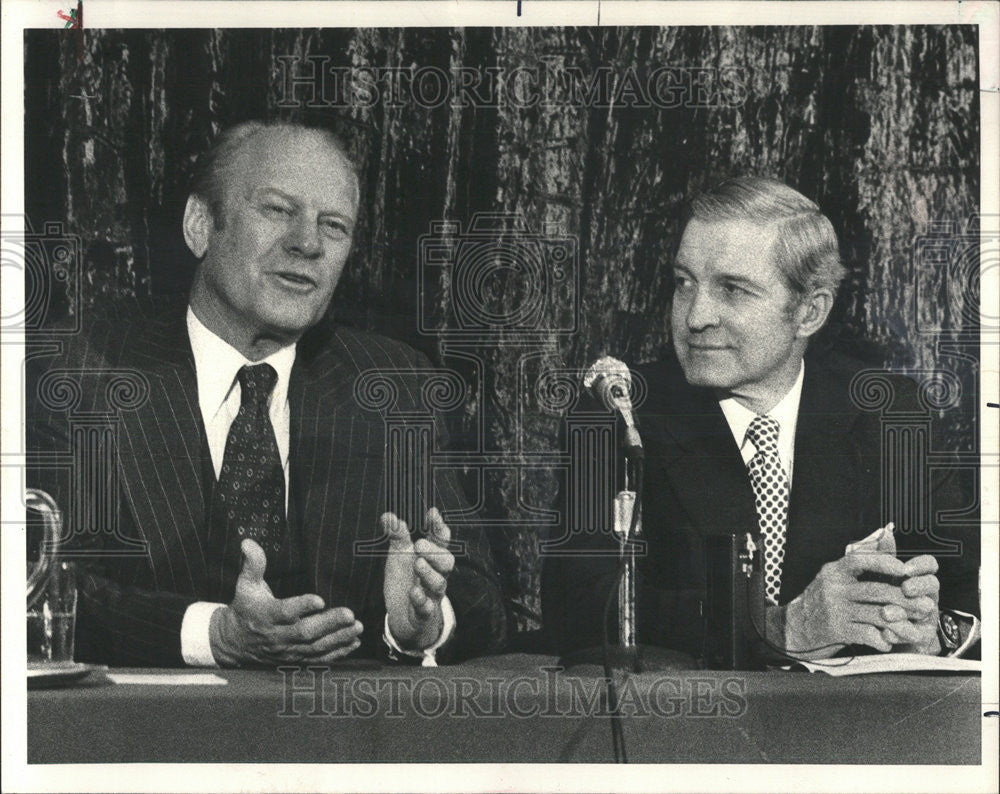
{"type": "Point", "coordinates": [879, 125]}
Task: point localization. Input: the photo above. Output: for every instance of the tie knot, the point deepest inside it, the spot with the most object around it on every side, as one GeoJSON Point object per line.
{"type": "Point", "coordinates": [257, 382]}
{"type": "Point", "coordinates": [763, 433]}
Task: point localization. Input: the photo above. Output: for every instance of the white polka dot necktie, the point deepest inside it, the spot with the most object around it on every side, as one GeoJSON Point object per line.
{"type": "Point", "coordinates": [250, 498]}
{"type": "Point", "coordinates": [770, 487]}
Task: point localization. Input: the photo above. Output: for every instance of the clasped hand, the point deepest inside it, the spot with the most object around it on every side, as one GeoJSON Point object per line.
{"type": "Point", "coordinates": [258, 629]}
{"type": "Point", "coordinates": [840, 608]}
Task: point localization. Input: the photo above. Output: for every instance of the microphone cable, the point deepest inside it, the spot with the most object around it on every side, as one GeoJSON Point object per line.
{"type": "Point", "coordinates": [788, 654]}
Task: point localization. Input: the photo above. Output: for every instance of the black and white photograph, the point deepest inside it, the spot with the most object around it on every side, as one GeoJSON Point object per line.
{"type": "Point", "coordinates": [500, 396]}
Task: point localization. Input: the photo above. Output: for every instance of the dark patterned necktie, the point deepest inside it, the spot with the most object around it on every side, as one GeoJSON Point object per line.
{"type": "Point", "coordinates": [251, 493]}
{"type": "Point", "coordinates": [770, 487]}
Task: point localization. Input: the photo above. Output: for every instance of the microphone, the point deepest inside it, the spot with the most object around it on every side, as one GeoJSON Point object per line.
{"type": "Point", "coordinates": [609, 380]}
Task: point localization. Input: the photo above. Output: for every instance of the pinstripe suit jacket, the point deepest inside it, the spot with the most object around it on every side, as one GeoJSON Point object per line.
{"type": "Point", "coordinates": [116, 435]}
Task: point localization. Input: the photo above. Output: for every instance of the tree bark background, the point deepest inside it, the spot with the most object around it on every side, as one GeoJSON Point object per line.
{"type": "Point", "coordinates": [878, 125]}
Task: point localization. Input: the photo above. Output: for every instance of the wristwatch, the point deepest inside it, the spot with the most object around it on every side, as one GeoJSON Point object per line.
{"type": "Point", "coordinates": [957, 631]}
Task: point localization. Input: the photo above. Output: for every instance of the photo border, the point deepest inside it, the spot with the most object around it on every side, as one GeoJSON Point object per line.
{"type": "Point", "coordinates": [18, 15]}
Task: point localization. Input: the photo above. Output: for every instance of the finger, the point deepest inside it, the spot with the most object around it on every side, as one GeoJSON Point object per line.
{"type": "Point", "coordinates": [437, 530]}
{"type": "Point", "coordinates": [440, 559]}
{"type": "Point", "coordinates": [864, 634]}
{"type": "Point", "coordinates": [422, 605]}
{"type": "Point", "coordinates": [890, 618]}
{"type": "Point", "coordinates": [884, 564]}
{"type": "Point", "coordinates": [398, 532]}
{"type": "Point", "coordinates": [906, 631]}
{"type": "Point", "coordinates": [876, 615]}
{"type": "Point", "coordinates": [254, 561]}
{"type": "Point", "coordinates": [338, 653]}
{"type": "Point", "coordinates": [891, 637]}
{"type": "Point", "coordinates": [286, 611]}
{"type": "Point", "coordinates": [924, 564]}
{"type": "Point", "coordinates": [928, 637]}
{"type": "Point", "coordinates": [330, 642]}
{"type": "Point", "coordinates": [891, 613]}
{"type": "Point", "coordinates": [876, 593]}
{"type": "Point", "coordinates": [434, 584]}
{"type": "Point", "coordinates": [925, 585]}
{"type": "Point", "coordinates": [881, 593]}
{"type": "Point", "coordinates": [318, 625]}
{"type": "Point", "coordinates": [920, 608]}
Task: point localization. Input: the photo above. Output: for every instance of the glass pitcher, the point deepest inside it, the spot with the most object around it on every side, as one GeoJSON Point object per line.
{"type": "Point", "coordinates": [51, 590]}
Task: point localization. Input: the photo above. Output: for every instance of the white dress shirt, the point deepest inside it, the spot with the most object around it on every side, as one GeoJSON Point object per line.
{"type": "Point", "coordinates": [785, 413]}
{"type": "Point", "coordinates": [216, 364]}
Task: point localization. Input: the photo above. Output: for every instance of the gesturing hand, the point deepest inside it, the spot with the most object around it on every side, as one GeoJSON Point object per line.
{"type": "Point", "coordinates": [259, 629]}
{"type": "Point", "coordinates": [416, 576]}
{"type": "Point", "coordinates": [837, 609]}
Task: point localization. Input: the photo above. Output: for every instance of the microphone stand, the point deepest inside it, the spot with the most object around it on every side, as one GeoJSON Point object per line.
{"type": "Point", "coordinates": [628, 528]}
{"type": "Point", "coordinates": [630, 654]}
{"type": "Point", "coordinates": [609, 380]}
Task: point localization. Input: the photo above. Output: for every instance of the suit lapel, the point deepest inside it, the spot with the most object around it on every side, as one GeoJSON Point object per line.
{"type": "Point", "coordinates": [160, 452]}
{"type": "Point", "coordinates": [701, 460]}
{"type": "Point", "coordinates": [827, 484]}
{"type": "Point", "coordinates": [336, 459]}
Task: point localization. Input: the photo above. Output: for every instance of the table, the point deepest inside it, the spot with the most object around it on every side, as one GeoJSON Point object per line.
{"type": "Point", "coordinates": [517, 708]}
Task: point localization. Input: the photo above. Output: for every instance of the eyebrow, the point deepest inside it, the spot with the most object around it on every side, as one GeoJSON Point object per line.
{"type": "Point", "coordinates": [260, 191]}
{"type": "Point", "coordinates": [739, 280]}
{"type": "Point", "coordinates": [743, 281]}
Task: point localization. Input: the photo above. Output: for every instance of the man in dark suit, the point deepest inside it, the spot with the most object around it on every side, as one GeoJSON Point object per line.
{"type": "Point", "coordinates": [744, 433]}
{"type": "Point", "coordinates": [244, 464]}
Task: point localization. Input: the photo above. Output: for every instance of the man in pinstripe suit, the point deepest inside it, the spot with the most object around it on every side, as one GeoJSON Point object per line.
{"type": "Point", "coordinates": [270, 218]}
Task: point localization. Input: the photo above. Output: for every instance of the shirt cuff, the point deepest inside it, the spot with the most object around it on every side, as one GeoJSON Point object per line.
{"type": "Point", "coordinates": [196, 642]}
{"type": "Point", "coordinates": [429, 654]}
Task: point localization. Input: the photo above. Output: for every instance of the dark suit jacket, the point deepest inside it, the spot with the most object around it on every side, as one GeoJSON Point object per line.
{"type": "Point", "coordinates": [696, 484]}
{"type": "Point", "coordinates": [134, 369]}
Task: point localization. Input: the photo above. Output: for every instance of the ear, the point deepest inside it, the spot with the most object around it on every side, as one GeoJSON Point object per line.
{"type": "Point", "coordinates": [812, 312]}
{"type": "Point", "coordinates": [198, 223]}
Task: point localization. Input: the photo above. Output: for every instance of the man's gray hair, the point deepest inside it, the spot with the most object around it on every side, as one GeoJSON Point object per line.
{"type": "Point", "coordinates": [805, 245]}
{"type": "Point", "coordinates": [208, 179]}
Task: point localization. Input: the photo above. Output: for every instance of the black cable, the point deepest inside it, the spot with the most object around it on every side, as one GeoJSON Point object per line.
{"type": "Point", "coordinates": [789, 654]}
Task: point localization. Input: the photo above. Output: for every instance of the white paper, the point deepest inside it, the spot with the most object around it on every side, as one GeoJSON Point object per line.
{"type": "Point", "coordinates": [893, 663]}
{"type": "Point", "coordinates": [881, 540]}
{"type": "Point", "coordinates": [168, 679]}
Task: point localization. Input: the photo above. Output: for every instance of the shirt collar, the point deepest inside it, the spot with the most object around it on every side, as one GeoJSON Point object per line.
{"type": "Point", "coordinates": [785, 413]}
{"type": "Point", "coordinates": [216, 363]}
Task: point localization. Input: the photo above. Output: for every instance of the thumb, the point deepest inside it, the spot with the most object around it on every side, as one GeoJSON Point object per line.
{"type": "Point", "coordinates": [254, 562]}
{"type": "Point", "coordinates": [438, 531]}
{"type": "Point", "coordinates": [398, 532]}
